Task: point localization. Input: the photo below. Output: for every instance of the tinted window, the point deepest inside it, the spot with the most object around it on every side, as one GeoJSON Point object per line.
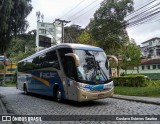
{"type": "Point", "coordinates": [52, 59]}
{"type": "Point", "coordinates": [142, 67]}
{"type": "Point", "coordinates": [68, 62]}
{"type": "Point", "coordinates": [45, 60]}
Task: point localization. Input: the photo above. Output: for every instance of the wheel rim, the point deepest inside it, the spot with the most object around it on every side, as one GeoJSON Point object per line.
{"type": "Point", "coordinates": [58, 95]}
{"type": "Point", "coordinates": [25, 90]}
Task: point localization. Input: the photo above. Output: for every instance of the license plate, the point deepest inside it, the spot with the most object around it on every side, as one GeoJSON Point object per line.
{"type": "Point", "coordinates": [100, 95]}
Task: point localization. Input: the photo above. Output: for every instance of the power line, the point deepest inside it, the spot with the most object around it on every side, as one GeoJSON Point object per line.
{"type": "Point", "coordinates": [140, 20]}
{"type": "Point", "coordinates": [141, 7]}
{"type": "Point", "coordinates": [83, 9]}
{"type": "Point", "coordinates": [72, 8]}
{"type": "Point", "coordinates": [84, 13]}
{"type": "Point", "coordinates": [144, 12]}
{"type": "Point", "coordinates": [62, 23]}
{"type": "Point", "coordinates": [127, 15]}
{"type": "Point", "coordinates": [146, 16]}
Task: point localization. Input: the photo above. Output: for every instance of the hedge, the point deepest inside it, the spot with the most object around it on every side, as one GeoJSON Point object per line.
{"type": "Point", "coordinates": [131, 81]}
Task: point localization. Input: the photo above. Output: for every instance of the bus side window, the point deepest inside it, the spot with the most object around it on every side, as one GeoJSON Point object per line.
{"type": "Point", "coordinates": [52, 59]}
{"type": "Point", "coordinates": [46, 60]}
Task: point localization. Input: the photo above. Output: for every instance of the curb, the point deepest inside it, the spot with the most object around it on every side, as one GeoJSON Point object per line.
{"type": "Point", "coordinates": [6, 106]}
{"type": "Point", "coordinates": [134, 99]}
{"type": "Point", "coordinates": [3, 108]}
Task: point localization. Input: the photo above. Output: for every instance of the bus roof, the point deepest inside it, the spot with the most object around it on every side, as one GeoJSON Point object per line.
{"type": "Point", "coordinates": [79, 46]}
{"type": "Point", "coordinates": [67, 45]}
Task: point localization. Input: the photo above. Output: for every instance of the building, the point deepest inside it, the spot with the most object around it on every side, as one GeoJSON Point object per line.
{"type": "Point", "coordinates": [10, 69]}
{"type": "Point", "coordinates": [151, 48]}
{"type": "Point", "coordinates": [47, 34]}
{"type": "Point", "coordinates": [149, 67]}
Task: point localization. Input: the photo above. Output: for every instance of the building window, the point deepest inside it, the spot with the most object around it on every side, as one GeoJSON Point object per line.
{"type": "Point", "coordinates": [150, 43]}
{"type": "Point", "coordinates": [142, 67]}
{"type": "Point", "coordinates": [158, 66]}
{"type": "Point", "coordinates": [158, 52]}
{"type": "Point", "coordinates": [148, 67]}
{"type": "Point", "coordinates": [154, 66]}
{"type": "Point", "coordinates": [42, 24]}
{"type": "Point", "coordinates": [42, 31]}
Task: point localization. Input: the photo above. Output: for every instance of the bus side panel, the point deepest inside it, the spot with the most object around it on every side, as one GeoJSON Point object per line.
{"type": "Point", "coordinates": [43, 82]}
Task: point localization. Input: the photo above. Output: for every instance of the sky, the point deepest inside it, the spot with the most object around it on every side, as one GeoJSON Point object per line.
{"type": "Point", "coordinates": [81, 14]}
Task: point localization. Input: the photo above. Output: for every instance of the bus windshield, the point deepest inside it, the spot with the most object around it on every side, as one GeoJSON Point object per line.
{"type": "Point", "coordinates": [94, 67]}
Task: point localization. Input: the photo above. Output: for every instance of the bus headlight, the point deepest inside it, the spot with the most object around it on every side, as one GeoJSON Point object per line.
{"type": "Point", "coordinates": [82, 87]}
{"type": "Point", "coordinates": [86, 89]}
{"type": "Point", "coordinates": [109, 85]}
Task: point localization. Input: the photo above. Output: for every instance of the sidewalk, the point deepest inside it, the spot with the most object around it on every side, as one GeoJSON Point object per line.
{"type": "Point", "coordinates": [2, 109]}
{"type": "Point", "coordinates": [3, 112]}
{"type": "Point", "coordinates": [147, 100]}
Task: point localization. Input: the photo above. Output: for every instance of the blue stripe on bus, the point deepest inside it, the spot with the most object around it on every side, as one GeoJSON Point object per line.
{"type": "Point", "coordinates": [38, 86]}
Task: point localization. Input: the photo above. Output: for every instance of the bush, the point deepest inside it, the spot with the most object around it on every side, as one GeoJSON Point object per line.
{"type": "Point", "coordinates": [131, 81]}
{"type": "Point", "coordinates": [9, 82]}
{"type": "Point", "coordinates": [154, 83]}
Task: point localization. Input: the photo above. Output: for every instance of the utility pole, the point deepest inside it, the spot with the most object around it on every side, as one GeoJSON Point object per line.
{"type": "Point", "coordinates": [62, 24]}
{"type": "Point", "coordinates": [4, 74]}
{"type": "Point", "coordinates": [38, 14]}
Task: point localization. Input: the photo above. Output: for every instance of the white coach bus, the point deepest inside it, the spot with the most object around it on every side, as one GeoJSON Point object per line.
{"type": "Point", "coordinates": [75, 72]}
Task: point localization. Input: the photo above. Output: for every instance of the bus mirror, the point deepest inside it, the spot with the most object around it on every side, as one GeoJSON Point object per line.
{"type": "Point", "coordinates": [75, 57]}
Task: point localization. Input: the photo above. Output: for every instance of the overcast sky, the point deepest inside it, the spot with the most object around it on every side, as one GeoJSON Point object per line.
{"type": "Point", "coordinates": [53, 9]}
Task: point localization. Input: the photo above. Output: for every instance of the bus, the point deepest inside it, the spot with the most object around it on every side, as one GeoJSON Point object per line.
{"type": "Point", "coordinates": [69, 71]}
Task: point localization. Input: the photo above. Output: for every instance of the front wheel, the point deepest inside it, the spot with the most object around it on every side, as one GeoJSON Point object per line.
{"type": "Point", "coordinates": [59, 95]}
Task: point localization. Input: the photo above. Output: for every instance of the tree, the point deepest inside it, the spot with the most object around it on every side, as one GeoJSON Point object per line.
{"type": "Point", "coordinates": [108, 25]}
{"type": "Point", "coordinates": [86, 38]}
{"type": "Point", "coordinates": [131, 56]}
{"type": "Point", "coordinates": [21, 46]}
{"type": "Point", "coordinates": [13, 21]}
{"type": "Point", "coordinates": [72, 33]}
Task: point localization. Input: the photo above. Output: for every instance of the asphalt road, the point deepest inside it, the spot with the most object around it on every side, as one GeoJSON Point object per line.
{"type": "Point", "coordinates": [32, 104]}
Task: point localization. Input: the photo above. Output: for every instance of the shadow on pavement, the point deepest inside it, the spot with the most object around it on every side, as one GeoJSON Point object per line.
{"type": "Point", "coordinates": [69, 102]}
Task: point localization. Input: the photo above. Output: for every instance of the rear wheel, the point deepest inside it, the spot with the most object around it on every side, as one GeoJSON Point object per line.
{"type": "Point", "coordinates": [59, 95]}
{"type": "Point", "coordinates": [25, 90]}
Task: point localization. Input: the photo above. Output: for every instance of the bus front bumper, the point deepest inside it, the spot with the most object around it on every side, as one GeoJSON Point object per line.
{"type": "Point", "coordinates": [88, 96]}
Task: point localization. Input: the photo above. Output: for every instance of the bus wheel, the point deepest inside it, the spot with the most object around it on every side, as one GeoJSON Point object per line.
{"type": "Point", "coordinates": [59, 95]}
{"type": "Point", "coordinates": [25, 90]}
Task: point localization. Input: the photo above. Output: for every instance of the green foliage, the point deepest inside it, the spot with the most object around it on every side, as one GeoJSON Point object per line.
{"type": "Point", "coordinates": [10, 84]}
{"type": "Point", "coordinates": [72, 33]}
{"type": "Point", "coordinates": [130, 81]}
{"type": "Point", "coordinates": [108, 25]}
{"type": "Point", "coordinates": [152, 89]}
{"type": "Point", "coordinates": [13, 21]}
{"type": "Point", "coordinates": [1, 66]}
{"type": "Point", "coordinates": [154, 83]}
{"type": "Point", "coordinates": [86, 38]}
{"type": "Point", "coordinates": [21, 47]}
{"type": "Point", "coordinates": [138, 91]}
{"type": "Point", "coordinates": [131, 56]}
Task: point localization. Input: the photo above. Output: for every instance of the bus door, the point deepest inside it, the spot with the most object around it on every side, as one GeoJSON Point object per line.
{"type": "Point", "coordinates": [70, 71]}
{"type": "Point", "coordinates": [68, 65]}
